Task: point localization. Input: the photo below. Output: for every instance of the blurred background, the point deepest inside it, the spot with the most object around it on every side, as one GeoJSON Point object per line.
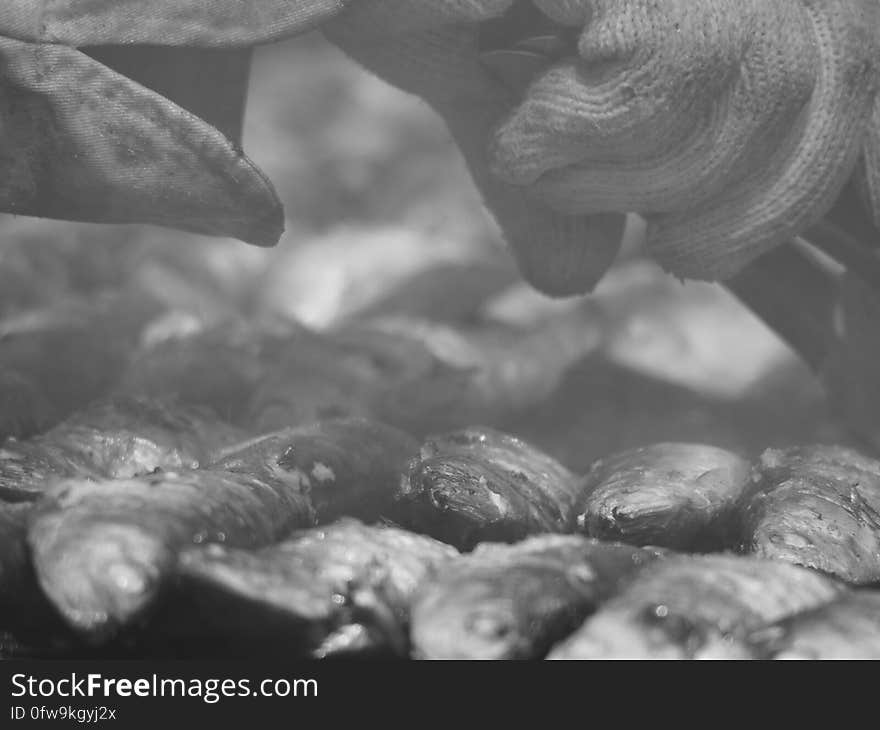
{"type": "Point", "coordinates": [382, 220]}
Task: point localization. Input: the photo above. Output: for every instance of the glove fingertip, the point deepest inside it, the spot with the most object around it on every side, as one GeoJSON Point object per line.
{"type": "Point", "coordinates": [564, 256]}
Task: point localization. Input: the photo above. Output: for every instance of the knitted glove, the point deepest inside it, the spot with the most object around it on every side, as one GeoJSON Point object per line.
{"type": "Point", "coordinates": [731, 125]}
{"type": "Point", "coordinates": [429, 48]}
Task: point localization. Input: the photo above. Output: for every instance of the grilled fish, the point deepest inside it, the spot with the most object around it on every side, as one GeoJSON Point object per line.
{"type": "Point", "coordinates": [126, 436]}
{"type": "Point", "coordinates": [311, 379]}
{"type": "Point", "coordinates": [848, 628]}
{"type": "Point", "coordinates": [28, 468]}
{"type": "Point", "coordinates": [681, 496]}
{"type": "Point", "coordinates": [73, 354]}
{"type": "Point", "coordinates": [103, 550]}
{"type": "Point", "coordinates": [114, 438]}
{"type": "Point", "coordinates": [438, 377]}
{"type": "Point", "coordinates": [346, 466]}
{"type": "Point", "coordinates": [817, 506]}
{"type": "Point", "coordinates": [481, 485]}
{"type": "Point", "coordinates": [334, 589]}
{"type": "Point", "coordinates": [696, 607]}
{"type": "Point", "coordinates": [217, 367]}
{"type": "Point", "coordinates": [516, 601]}
{"type": "Point", "coordinates": [424, 376]}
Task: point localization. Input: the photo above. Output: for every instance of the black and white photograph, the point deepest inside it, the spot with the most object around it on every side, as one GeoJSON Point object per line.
{"type": "Point", "coordinates": [341, 332]}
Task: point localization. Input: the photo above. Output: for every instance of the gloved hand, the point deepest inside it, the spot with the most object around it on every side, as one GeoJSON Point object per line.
{"type": "Point", "coordinates": [732, 125]}
{"type": "Point", "coordinates": [80, 141]}
{"type": "Point", "coordinates": [429, 48]}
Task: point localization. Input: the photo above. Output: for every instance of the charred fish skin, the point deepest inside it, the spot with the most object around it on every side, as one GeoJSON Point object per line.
{"type": "Point", "coordinates": [817, 506]}
{"type": "Point", "coordinates": [479, 484]}
{"type": "Point", "coordinates": [127, 436]}
{"type": "Point", "coordinates": [697, 607]}
{"type": "Point", "coordinates": [347, 466]}
{"type": "Point", "coordinates": [325, 591]}
{"type": "Point", "coordinates": [117, 438]}
{"type": "Point", "coordinates": [103, 551]}
{"type": "Point", "coordinates": [829, 460]}
{"type": "Point", "coordinates": [675, 495]}
{"type": "Point", "coordinates": [848, 628]}
{"type": "Point", "coordinates": [28, 468]}
{"type": "Point", "coordinates": [516, 601]}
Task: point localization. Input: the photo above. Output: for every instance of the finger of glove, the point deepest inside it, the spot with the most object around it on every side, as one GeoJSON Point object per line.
{"type": "Point", "coordinates": [560, 255]}
{"type": "Point", "coordinates": [194, 23]}
{"type": "Point", "coordinates": [652, 106]}
{"type": "Point", "coordinates": [798, 184]}
{"type": "Point", "coordinates": [81, 142]}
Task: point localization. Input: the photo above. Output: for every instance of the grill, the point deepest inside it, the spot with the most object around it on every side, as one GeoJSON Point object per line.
{"type": "Point", "coordinates": [377, 441]}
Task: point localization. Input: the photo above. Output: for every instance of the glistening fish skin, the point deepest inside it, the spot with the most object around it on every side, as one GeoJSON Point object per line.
{"type": "Point", "coordinates": [692, 607]}
{"type": "Point", "coordinates": [348, 466]}
{"type": "Point", "coordinates": [327, 590]}
{"type": "Point", "coordinates": [479, 485]}
{"type": "Point", "coordinates": [681, 496]}
{"type": "Point", "coordinates": [848, 628]}
{"type": "Point", "coordinates": [103, 550]}
{"type": "Point", "coordinates": [817, 506]}
{"type": "Point", "coordinates": [115, 438]}
{"type": "Point", "coordinates": [28, 468]}
{"type": "Point", "coordinates": [516, 601]}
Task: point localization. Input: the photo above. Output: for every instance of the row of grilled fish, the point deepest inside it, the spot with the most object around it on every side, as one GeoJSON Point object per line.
{"type": "Point", "coordinates": [141, 519]}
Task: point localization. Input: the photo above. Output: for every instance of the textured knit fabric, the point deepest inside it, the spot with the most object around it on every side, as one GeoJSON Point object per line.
{"type": "Point", "coordinates": [731, 124]}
